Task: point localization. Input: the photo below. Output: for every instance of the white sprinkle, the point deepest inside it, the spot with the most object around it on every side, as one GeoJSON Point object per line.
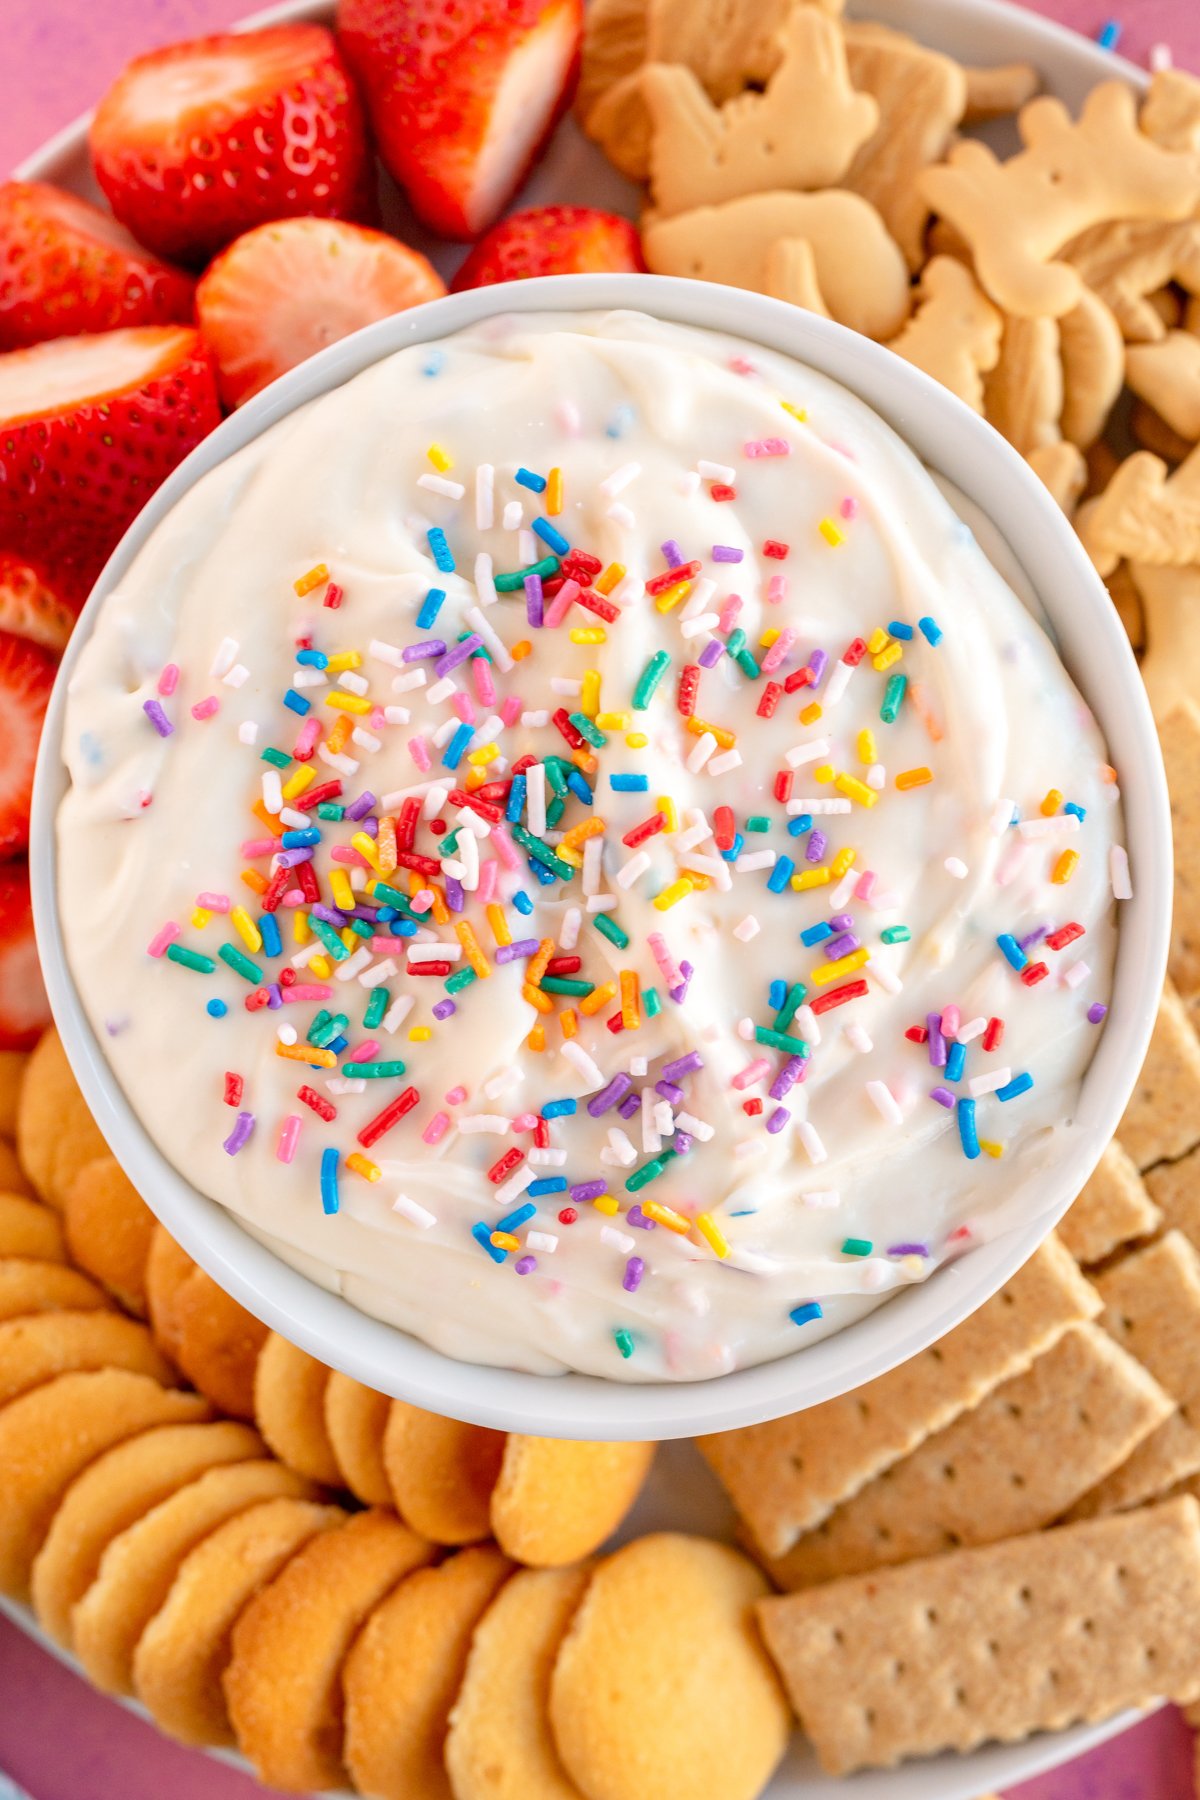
{"type": "Point", "coordinates": [512, 516]}
{"type": "Point", "coordinates": [818, 804]}
{"type": "Point", "coordinates": [702, 592]}
{"type": "Point", "coordinates": [859, 1039]}
{"type": "Point", "coordinates": [651, 1142]}
{"type": "Point", "coordinates": [593, 851]}
{"type": "Point", "coordinates": [345, 765]}
{"type": "Point", "coordinates": [751, 860]}
{"type": "Point", "coordinates": [633, 870]}
{"type": "Point", "coordinates": [598, 902]}
{"type": "Point", "coordinates": [411, 678]}
{"type": "Point", "coordinates": [535, 799]}
{"type": "Point", "coordinates": [543, 1241]}
{"type": "Point", "coordinates": [385, 652]}
{"type": "Point", "coordinates": [272, 792]}
{"type": "Point", "coordinates": [807, 1132]}
{"type": "Point", "coordinates": [485, 488]}
{"type": "Point", "coordinates": [729, 759]}
{"type": "Point", "coordinates": [1118, 869]}
{"type": "Point", "coordinates": [485, 584]}
{"type": "Point", "coordinates": [627, 590]}
{"type": "Point", "coordinates": [806, 753]}
{"type": "Point", "coordinates": [346, 1084]}
{"type": "Point", "coordinates": [224, 660]}
{"type": "Point", "coordinates": [442, 690]}
{"type": "Point", "coordinates": [1075, 974]}
{"type": "Point", "coordinates": [435, 799]}
{"type": "Point", "coordinates": [837, 684]}
{"type": "Point", "coordinates": [506, 1078]}
{"type": "Point", "coordinates": [619, 480]}
{"type": "Point", "coordinates": [415, 1214]}
{"type": "Point", "coordinates": [438, 484]}
{"type": "Point", "coordinates": [546, 1158]}
{"type": "Point", "coordinates": [347, 970]}
{"type": "Point", "coordinates": [1002, 814]}
{"type": "Point", "coordinates": [434, 951]}
{"type": "Point", "coordinates": [572, 921]}
{"type": "Point", "coordinates": [308, 678]}
{"type": "Point", "coordinates": [987, 1084]}
{"type": "Point", "coordinates": [695, 834]}
{"type": "Point", "coordinates": [746, 928]}
{"type": "Point", "coordinates": [807, 1025]}
{"type": "Point", "coordinates": [697, 1128]}
{"type": "Point", "coordinates": [515, 1185]}
{"type": "Point", "coordinates": [712, 471]}
{"type": "Point", "coordinates": [589, 1072]}
{"type": "Point", "coordinates": [620, 514]}
{"type": "Point", "coordinates": [382, 971]}
{"type": "Point", "coordinates": [619, 1240]}
{"type": "Point", "coordinates": [237, 676]}
{"type": "Point", "coordinates": [286, 1034]}
{"type": "Point", "coordinates": [637, 1064]}
{"type": "Point", "coordinates": [1061, 825]}
{"type": "Point", "coordinates": [397, 1012]}
{"type": "Point", "coordinates": [664, 1118]}
{"type": "Point", "coordinates": [352, 682]}
{"type": "Point", "coordinates": [445, 732]}
{"type": "Point", "coordinates": [495, 1124]}
{"type": "Point", "coordinates": [475, 619]}
{"type": "Point", "coordinates": [954, 865]}
{"type": "Point", "coordinates": [397, 715]}
{"type": "Point", "coordinates": [527, 546]}
{"type": "Point", "coordinates": [567, 687]}
{"type": "Point", "coordinates": [971, 1029]}
{"type": "Point", "coordinates": [884, 1102]}
{"type": "Point", "coordinates": [697, 627]}
{"type": "Point", "coordinates": [840, 894]}
{"type": "Point", "coordinates": [366, 740]}
{"type": "Point", "coordinates": [827, 1197]}
{"type": "Point", "coordinates": [535, 720]}
{"type": "Point", "coordinates": [876, 776]}
{"type": "Point", "coordinates": [700, 752]}
{"type": "Point", "coordinates": [883, 974]}
{"type": "Point", "coordinates": [745, 1030]}
{"type": "Point", "coordinates": [622, 1149]}
{"type": "Point", "coordinates": [248, 732]}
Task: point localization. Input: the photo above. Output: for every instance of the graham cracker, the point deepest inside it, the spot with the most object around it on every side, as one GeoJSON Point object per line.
{"type": "Point", "coordinates": [784, 1477]}
{"type": "Point", "coordinates": [1014, 1464]}
{"type": "Point", "coordinates": [1175, 1189]}
{"type": "Point", "coordinates": [1152, 1308]}
{"type": "Point", "coordinates": [1113, 1209]}
{"type": "Point", "coordinates": [1170, 1455]}
{"type": "Point", "coordinates": [1162, 1121]}
{"type": "Point", "coordinates": [1179, 734]}
{"type": "Point", "coordinates": [1034, 1634]}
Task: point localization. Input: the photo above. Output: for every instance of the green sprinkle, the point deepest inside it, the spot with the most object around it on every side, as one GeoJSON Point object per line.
{"type": "Point", "coordinates": [735, 643]}
{"type": "Point", "coordinates": [893, 695]}
{"type": "Point", "coordinates": [240, 963]}
{"type": "Point", "coordinates": [556, 777]}
{"type": "Point", "coordinates": [649, 1172]}
{"type": "Point", "coordinates": [649, 679]}
{"type": "Point", "coordinates": [542, 853]}
{"type": "Point", "coordinates": [328, 937]}
{"type": "Point", "coordinates": [279, 758]}
{"type": "Point", "coordinates": [586, 729]}
{"type": "Point", "coordinates": [780, 1040]}
{"type": "Point", "coordinates": [857, 1247]}
{"type": "Point", "coordinates": [896, 934]}
{"type": "Point", "coordinates": [390, 896]}
{"type": "Point", "coordinates": [509, 583]}
{"type": "Point", "coordinates": [608, 927]}
{"type": "Point", "coordinates": [555, 811]}
{"type": "Point", "coordinates": [748, 665]}
{"type": "Point", "coordinates": [624, 1341]}
{"type": "Point", "coordinates": [329, 809]}
{"type": "Point", "coordinates": [377, 1005]}
{"type": "Point", "coordinates": [448, 843]}
{"type": "Point", "coordinates": [374, 1071]}
{"type": "Point", "coordinates": [563, 984]}
{"type": "Point", "coordinates": [191, 959]}
{"type": "Point", "coordinates": [797, 994]}
{"type": "Point", "coordinates": [651, 1003]}
{"type": "Point", "coordinates": [461, 978]}
{"type": "Point", "coordinates": [360, 928]}
{"type": "Point", "coordinates": [325, 1027]}
{"type": "Point", "coordinates": [758, 822]}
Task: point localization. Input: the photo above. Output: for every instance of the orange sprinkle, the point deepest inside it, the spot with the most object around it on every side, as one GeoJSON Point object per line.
{"type": "Point", "coordinates": [631, 1008]}
{"type": "Point", "coordinates": [698, 727]}
{"type": "Point", "coordinates": [1051, 803]}
{"type": "Point", "coordinates": [600, 996]}
{"type": "Point", "coordinates": [307, 1053]}
{"type": "Point", "coordinates": [272, 821]}
{"type": "Point", "coordinates": [339, 736]}
{"type": "Point", "coordinates": [256, 882]}
{"type": "Point", "coordinates": [535, 968]}
{"type": "Point", "coordinates": [811, 713]}
{"type": "Point", "coordinates": [537, 1037]}
{"type": "Point", "coordinates": [503, 1240]}
{"type": "Point", "coordinates": [913, 778]}
{"type": "Point", "coordinates": [520, 650]}
{"type": "Point", "coordinates": [464, 931]}
{"type": "Point", "coordinates": [554, 493]}
{"type": "Point", "coordinates": [306, 583]}
{"type": "Point", "coordinates": [579, 834]}
{"type": "Point", "coordinates": [666, 1215]}
{"type": "Point", "coordinates": [498, 920]}
{"type": "Point", "coordinates": [385, 844]}
{"type": "Point", "coordinates": [568, 1021]}
{"type": "Point", "coordinates": [1064, 868]}
{"type": "Point", "coordinates": [362, 1165]}
{"type": "Point", "coordinates": [607, 582]}
{"type": "Point", "coordinates": [934, 729]}
{"type": "Point", "coordinates": [540, 1002]}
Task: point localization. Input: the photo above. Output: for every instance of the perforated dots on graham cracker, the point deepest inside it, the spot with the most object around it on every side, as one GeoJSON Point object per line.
{"type": "Point", "coordinates": [1113, 1208]}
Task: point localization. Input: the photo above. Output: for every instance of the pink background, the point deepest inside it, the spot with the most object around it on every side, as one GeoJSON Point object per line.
{"type": "Point", "coordinates": [60, 1740]}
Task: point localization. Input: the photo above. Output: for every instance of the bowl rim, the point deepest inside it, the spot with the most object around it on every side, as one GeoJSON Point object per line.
{"type": "Point", "coordinates": [383, 1356]}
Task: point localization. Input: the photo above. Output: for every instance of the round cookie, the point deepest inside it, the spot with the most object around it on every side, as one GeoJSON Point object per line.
{"type": "Point", "coordinates": [56, 1134]}
{"type": "Point", "coordinates": [214, 1340]}
{"type": "Point", "coordinates": [111, 1493]}
{"type": "Point", "coordinates": [402, 1675]}
{"type": "Point", "coordinates": [27, 1228]}
{"type": "Point", "coordinates": [355, 1418]}
{"type": "Point", "coordinates": [283, 1684]}
{"type": "Point", "coordinates": [441, 1473]}
{"type": "Point", "coordinates": [29, 1285]}
{"type": "Point", "coordinates": [138, 1567]}
{"type": "Point", "coordinates": [556, 1501]}
{"type": "Point", "coordinates": [109, 1228]}
{"type": "Point", "coordinates": [289, 1406]}
{"type": "Point", "coordinates": [39, 1346]}
{"type": "Point", "coordinates": [500, 1745]}
{"type": "Point", "coordinates": [184, 1650]}
{"type": "Point", "coordinates": [49, 1436]}
{"type": "Point", "coordinates": [662, 1689]}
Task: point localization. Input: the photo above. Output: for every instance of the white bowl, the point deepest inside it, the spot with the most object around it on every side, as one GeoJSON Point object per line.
{"type": "Point", "coordinates": [950, 439]}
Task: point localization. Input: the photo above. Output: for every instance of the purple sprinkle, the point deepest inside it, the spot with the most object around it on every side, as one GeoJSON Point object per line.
{"type": "Point", "coordinates": [791, 1072]}
{"type": "Point", "coordinates": [842, 921]}
{"type": "Point", "coordinates": [274, 996]}
{"type": "Point", "coordinates": [815, 848]}
{"type": "Point", "coordinates": [908, 1250]}
{"type": "Point", "coordinates": [669, 1091]}
{"type": "Point", "coordinates": [329, 915]}
{"type": "Point", "coordinates": [631, 1104]}
{"type": "Point", "coordinates": [937, 1043]}
{"type": "Point", "coordinates": [1034, 937]}
{"type": "Point", "coordinates": [369, 913]}
{"type": "Point", "coordinates": [842, 945]}
{"type": "Point", "coordinates": [636, 1217]}
{"type": "Point", "coordinates": [943, 1096]}
{"type": "Point", "coordinates": [711, 654]}
{"type": "Point", "coordinates": [683, 1142]}
{"type": "Point", "coordinates": [366, 802]}
{"type": "Point", "coordinates": [444, 1009]}
{"type": "Point", "coordinates": [515, 952]}
{"type": "Point", "coordinates": [818, 662]}
{"type": "Point", "coordinates": [587, 1190]}
{"type": "Point", "coordinates": [533, 600]}
{"type": "Point", "coordinates": [679, 994]}
{"type": "Point", "coordinates": [693, 1061]}
{"type": "Point", "coordinates": [291, 859]}
{"type": "Point", "coordinates": [525, 1265]}
{"type": "Point", "coordinates": [371, 826]}
{"type": "Point", "coordinates": [778, 1119]}
{"type": "Point", "coordinates": [426, 648]}
{"type": "Point", "coordinates": [458, 654]}
{"type": "Point", "coordinates": [1096, 1013]}
{"type": "Point", "coordinates": [240, 1133]}
{"type": "Point", "coordinates": [726, 553]}
{"type": "Point", "coordinates": [673, 554]}
{"type": "Point", "coordinates": [158, 718]}
{"type": "Point", "coordinates": [608, 1096]}
{"type": "Point", "coordinates": [635, 1268]}
{"type": "Point", "coordinates": [454, 893]}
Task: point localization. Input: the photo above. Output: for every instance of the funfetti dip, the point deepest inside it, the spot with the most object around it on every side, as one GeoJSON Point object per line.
{"type": "Point", "coordinates": [573, 843]}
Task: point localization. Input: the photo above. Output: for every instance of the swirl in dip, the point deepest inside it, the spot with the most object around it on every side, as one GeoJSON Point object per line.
{"type": "Point", "coordinates": [574, 844]}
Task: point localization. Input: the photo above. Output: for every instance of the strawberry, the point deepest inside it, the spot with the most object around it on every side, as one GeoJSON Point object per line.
{"type": "Point", "coordinates": [89, 427]}
{"type": "Point", "coordinates": [26, 677]}
{"type": "Point", "coordinates": [462, 95]}
{"type": "Point", "coordinates": [198, 142]}
{"type": "Point", "coordinates": [285, 291]}
{"type": "Point", "coordinates": [30, 607]}
{"type": "Point", "coordinates": [24, 1009]}
{"type": "Point", "coordinates": [67, 267]}
{"type": "Point", "coordinates": [552, 240]}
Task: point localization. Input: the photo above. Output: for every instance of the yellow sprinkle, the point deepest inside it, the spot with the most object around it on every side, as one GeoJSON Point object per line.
{"type": "Point", "coordinates": [540, 1002]}
{"type": "Point", "coordinates": [420, 1034]}
{"type": "Point", "coordinates": [306, 1053]}
{"type": "Point", "coordinates": [887, 657]}
{"type": "Point", "coordinates": [568, 1022]}
{"type": "Point", "coordinates": [321, 967]}
{"type": "Point", "coordinates": [200, 917]}
{"type": "Point", "coordinates": [699, 882]}
{"type": "Point", "coordinates": [301, 929]}
{"type": "Point", "coordinates": [599, 996]}
{"type": "Point", "coordinates": [348, 703]}
{"type": "Point", "coordinates": [537, 1037]}
{"type": "Point", "coordinates": [799, 413]}
{"type": "Point", "coordinates": [298, 780]}
{"type": "Point", "coordinates": [343, 893]}
{"type": "Point", "coordinates": [877, 641]}
{"type": "Point", "coordinates": [589, 687]}
{"type": "Point", "coordinates": [664, 602]}
{"type": "Point", "coordinates": [607, 582]}
{"type": "Point", "coordinates": [257, 883]}
{"type": "Point", "coordinates": [707, 1227]}
{"type": "Point", "coordinates": [844, 860]}
{"type": "Point", "coordinates": [811, 713]}
{"type": "Point", "coordinates": [608, 1203]}
{"type": "Point", "coordinates": [844, 965]}
{"type": "Point", "coordinates": [554, 493]}
{"type": "Point", "coordinates": [439, 458]}
{"type": "Point", "coordinates": [504, 1240]}
{"type": "Point", "coordinates": [316, 575]}
{"type": "Point", "coordinates": [631, 1009]}
{"type": "Point", "coordinates": [486, 753]}
{"type": "Point", "coordinates": [362, 1165]}
{"type": "Point", "coordinates": [343, 659]}
{"type": "Point", "coordinates": [768, 637]}
{"type": "Point", "coordinates": [698, 727]}
{"type": "Point", "coordinates": [579, 834]}
{"type": "Point", "coordinates": [808, 878]}
{"type": "Point", "coordinates": [667, 808]}
{"type": "Point", "coordinates": [991, 1148]}
{"type": "Point", "coordinates": [854, 789]}
{"type": "Point", "coordinates": [666, 1215]}
{"type": "Point", "coordinates": [866, 746]}
{"type": "Point", "coordinates": [565, 853]}
{"type": "Point", "coordinates": [912, 778]}
{"type": "Point", "coordinates": [588, 634]}
{"type": "Point", "coordinates": [636, 740]}
{"type": "Point", "coordinates": [498, 920]}
{"type": "Point", "coordinates": [1064, 868]}
{"type": "Point", "coordinates": [464, 931]}
{"type": "Point", "coordinates": [823, 772]}
{"type": "Point", "coordinates": [366, 847]}
{"type": "Point", "coordinates": [349, 938]}
{"type": "Point", "coordinates": [671, 896]}
{"type": "Point", "coordinates": [609, 721]}
{"type": "Point", "coordinates": [830, 533]}
{"type": "Point", "coordinates": [1051, 803]}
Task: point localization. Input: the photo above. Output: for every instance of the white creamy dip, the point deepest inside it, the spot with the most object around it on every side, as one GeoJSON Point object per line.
{"type": "Point", "coordinates": [674, 446]}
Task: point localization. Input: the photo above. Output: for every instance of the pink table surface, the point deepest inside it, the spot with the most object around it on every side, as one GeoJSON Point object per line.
{"type": "Point", "coordinates": [60, 1740]}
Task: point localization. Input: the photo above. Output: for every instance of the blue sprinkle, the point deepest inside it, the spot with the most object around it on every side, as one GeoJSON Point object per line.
{"type": "Point", "coordinates": [296, 702]}
{"type": "Point", "coordinates": [527, 479]}
{"type": "Point", "coordinates": [337, 1045]}
{"type": "Point", "coordinates": [434, 363]}
{"type": "Point", "coordinates": [1012, 951]}
{"type": "Point", "coordinates": [514, 1220]}
{"type": "Point", "coordinates": [329, 1181]}
{"type": "Point", "coordinates": [776, 995]}
{"type": "Point", "coordinates": [551, 536]}
{"type": "Point", "coordinates": [313, 659]}
{"type": "Point", "coordinates": [455, 750]}
{"type": "Point", "coordinates": [956, 1062]}
{"type": "Point", "coordinates": [930, 630]}
{"type": "Point", "coordinates": [541, 874]}
{"type": "Point", "coordinates": [431, 606]}
{"type": "Point", "coordinates": [1020, 1084]}
{"type": "Point", "coordinates": [403, 928]}
{"type": "Point", "coordinates": [1110, 35]}
{"type": "Point", "coordinates": [560, 1109]}
{"type": "Point", "coordinates": [1073, 806]}
{"type": "Point", "coordinates": [629, 784]}
{"type": "Point", "coordinates": [804, 1315]}
{"type": "Point", "coordinates": [216, 1009]}
{"type": "Point", "coordinates": [92, 749]}
{"type": "Point", "coordinates": [300, 840]}
{"type": "Point", "coordinates": [781, 873]}
{"type": "Point", "coordinates": [800, 824]}
{"type": "Point", "coordinates": [898, 629]}
{"type": "Point", "coordinates": [439, 549]}
{"type": "Point", "coordinates": [816, 934]}
{"type": "Point", "coordinates": [483, 1237]}
{"type": "Point", "coordinates": [522, 902]}
{"type": "Point", "coordinates": [516, 799]}
{"type": "Point", "coordinates": [620, 422]}
{"type": "Point", "coordinates": [735, 849]}
{"type": "Point", "coordinates": [550, 1184]}
{"type": "Point", "coordinates": [579, 786]}
{"type": "Point", "coordinates": [272, 942]}
{"type": "Point", "coordinates": [968, 1136]}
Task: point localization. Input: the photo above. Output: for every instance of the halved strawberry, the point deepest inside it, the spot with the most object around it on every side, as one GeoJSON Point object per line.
{"type": "Point", "coordinates": [552, 240]}
{"type": "Point", "coordinates": [285, 291]}
{"type": "Point", "coordinates": [200, 141]}
{"type": "Point", "coordinates": [462, 95]}
{"type": "Point", "coordinates": [67, 267]}
{"type": "Point", "coordinates": [24, 1009]}
{"type": "Point", "coordinates": [89, 427]}
{"type": "Point", "coordinates": [31, 608]}
{"type": "Point", "coordinates": [26, 677]}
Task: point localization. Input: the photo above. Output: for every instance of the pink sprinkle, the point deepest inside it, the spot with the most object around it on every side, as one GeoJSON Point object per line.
{"type": "Point", "coordinates": [306, 739]}
{"type": "Point", "coordinates": [289, 1133]}
{"type": "Point", "coordinates": [346, 853]}
{"type": "Point", "coordinates": [377, 718]}
{"type": "Point", "coordinates": [301, 991]}
{"type": "Point", "coordinates": [294, 897]}
{"type": "Point", "coordinates": [421, 901]}
{"type": "Point", "coordinates": [951, 1020]}
{"type": "Point", "coordinates": [849, 507]}
{"type": "Point", "coordinates": [730, 611]}
{"type": "Point", "coordinates": [485, 687]}
{"type": "Point", "coordinates": [525, 1121]}
{"type": "Point", "coordinates": [488, 874]}
{"type": "Point", "coordinates": [771, 446]}
{"type": "Point", "coordinates": [562, 603]}
{"type": "Point", "coordinates": [204, 709]}
{"type": "Point", "coordinates": [214, 902]}
{"type": "Point", "coordinates": [363, 1052]}
{"type": "Point", "coordinates": [456, 1096]}
{"type": "Point", "coordinates": [778, 650]}
{"type": "Point", "coordinates": [437, 1128]}
{"type": "Point", "coordinates": [382, 946]}
{"type": "Point", "coordinates": [464, 706]}
{"type": "Point", "coordinates": [741, 365]}
{"type": "Point", "coordinates": [158, 943]}
{"type": "Point", "coordinates": [752, 1073]}
{"type": "Point", "coordinates": [777, 589]}
{"type": "Point", "coordinates": [419, 751]}
{"type": "Point", "coordinates": [254, 847]}
{"type": "Point", "coordinates": [512, 709]}
{"type": "Point", "coordinates": [168, 681]}
{"type": "Point", "coordinates": [503, 846]}
{"type": "Point", "coordinates": [865, 885]}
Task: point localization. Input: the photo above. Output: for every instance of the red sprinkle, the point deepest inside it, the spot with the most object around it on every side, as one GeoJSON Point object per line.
{"type": "Point", "coordinates": [917, 1034]}
{"type": "Point", "coordinates": [233, 1089]}
{"type": "Point", "coordinates": [407, 820]}
{"type": "Point", "coordinates": [324, 1109]}
{"type": "Point", "coordinates": [256, 1000]}
{"type": "Point", "coordinates": [541, 1133]}
{"type": "Point", "coordinates": [562, 719]}
{"type": "Point", "coordinates": [485, 809]}
{"type": "Point", "coordinates": [564, 965]}
{"type": "Point", "coordinates": [408, 859]}
{"type": "Point", "coordinates": [567, 1216]}
{"type": "Point", "coordinates": [724, 827]}
{"type": "Point", "coordinates": [771, 695]}
{"type": "Point", "coordinates": [637, 834]}
{"type": "Point", "coordinates": [392, 1113]}
{"type": "Point", "coordinates": [334, 595]}
{"type": "Point", "coordinates": [504, 1165]}
{"type": "Point", "coordinates": [275, 889]}
{"type": "Point", "coordinates": [689, 687]}
{"type": "Point", "coordinates": [838, 996]}
{"type": "Point", "coordinates": [797, 679]}
{"type": "Point", "coordinates": [1066, 934]}
{"type": "Point", "coordinates": [993, 1037]}
{"type": "Point", "coordinates": [783, 786]}
{"type": "Point", "coordinates": [773, 547]}
{"type": "Point", "coordinates": [658, 584]}
{"type": "Point", "coordinates": [615, 1024]}
{"type": "Point", "coordinates": [596, 603]}
{"type": "Point", "coordinates": [288, 977]}
{"type": "Point", "coordinates": [580, 566]}
{"type": "Point", "coordinates": [312, 797]}
{"type": "Point", "coordinates": [752, 1107]}
{"type": "Point", "coordinates": [854, 652]}
{"type": "Point", "coordinates": [306, 881]}
{"type": "Point", "coordinates": [1034, 973]}
{"type": "Point", "coordinates": [721, 490]}
{"type": "Point", "coordinates": [430, 968]}
{"type": "Point", "coordinates": [438, 827]}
